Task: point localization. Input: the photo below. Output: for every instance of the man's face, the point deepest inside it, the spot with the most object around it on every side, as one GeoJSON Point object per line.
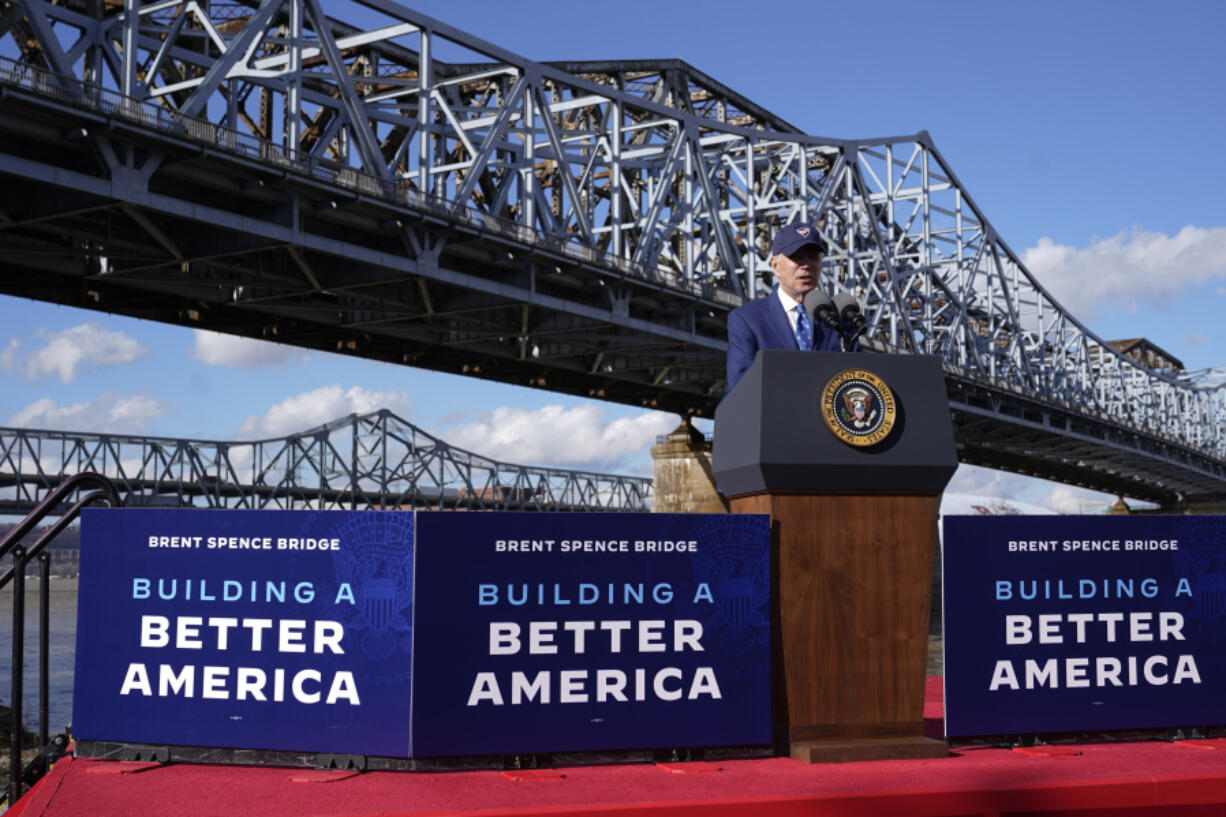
{"type": "Point", "coordinates": [797, 273]}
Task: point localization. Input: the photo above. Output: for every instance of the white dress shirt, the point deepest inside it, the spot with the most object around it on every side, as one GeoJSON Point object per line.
{"type": "Point", "coordinates": [789, 308]}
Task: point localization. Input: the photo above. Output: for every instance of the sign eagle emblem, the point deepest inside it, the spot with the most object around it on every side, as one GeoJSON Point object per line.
{"type": "Point", "coordinates": [858, 407]}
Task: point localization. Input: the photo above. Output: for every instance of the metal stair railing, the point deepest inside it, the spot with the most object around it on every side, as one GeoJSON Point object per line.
{"type": "Point", "coordinates": [50, 749]}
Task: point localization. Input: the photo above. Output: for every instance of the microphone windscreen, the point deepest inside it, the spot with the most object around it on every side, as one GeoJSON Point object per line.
{"type": "Point", "coordinates": [849, 313]}
{"type": "Point", "coordinates": [816, 300]}
{"type": "Point", "coordinates": [846, 304]}
{"type": "Point", "coordinates": [819, 305]}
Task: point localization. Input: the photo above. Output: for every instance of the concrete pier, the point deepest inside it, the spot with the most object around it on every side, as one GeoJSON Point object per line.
{"type": "Point", "coordinates": [683, 479]}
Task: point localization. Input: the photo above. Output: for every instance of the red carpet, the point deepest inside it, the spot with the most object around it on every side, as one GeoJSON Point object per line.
{"type": "Point", "coordinates": [1099, 780]}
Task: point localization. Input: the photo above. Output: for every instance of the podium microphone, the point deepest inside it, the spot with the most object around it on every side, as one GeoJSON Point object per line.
{"type": "Point", "coordinates": [849, 314]}
{"type": "Point", "coordinates": [819, 305]}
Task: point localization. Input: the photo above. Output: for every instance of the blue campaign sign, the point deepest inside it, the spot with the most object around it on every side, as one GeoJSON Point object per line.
{"type": "Point", "coordinates": [566, 632]}
{"type": "Point", "coordinates": [1075, 623]}
{"type": "Point", "coordinates": [283, 630]}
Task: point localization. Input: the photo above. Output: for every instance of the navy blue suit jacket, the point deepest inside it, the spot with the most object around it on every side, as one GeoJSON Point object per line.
{"type": "Point", "coordinates": [762, 324]}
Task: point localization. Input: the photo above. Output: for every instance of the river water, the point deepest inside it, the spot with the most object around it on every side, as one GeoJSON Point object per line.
{"type": "Point", "coordinates": [63, 630]}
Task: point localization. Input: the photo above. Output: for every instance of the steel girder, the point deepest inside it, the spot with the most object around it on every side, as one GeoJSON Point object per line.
{"type": "Point", "coordinates": [648, 190]}
{"type": "Point", "coordinates": [375, 460]}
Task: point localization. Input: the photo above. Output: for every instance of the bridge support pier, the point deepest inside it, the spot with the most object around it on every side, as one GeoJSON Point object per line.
{"type": "Point", "coordinates": [683, 481]}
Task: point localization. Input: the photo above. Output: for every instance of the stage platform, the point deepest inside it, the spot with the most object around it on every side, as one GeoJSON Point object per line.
{"type": "Point", "coordinates": [1101, 779]}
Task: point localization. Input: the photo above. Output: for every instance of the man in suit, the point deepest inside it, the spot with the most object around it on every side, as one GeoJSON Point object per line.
{"type": "Point", "coordinates": [779, 320]}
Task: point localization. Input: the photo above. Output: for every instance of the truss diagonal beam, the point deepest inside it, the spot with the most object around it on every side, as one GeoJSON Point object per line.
{"type": "Point", "coordinates": [627, 205]}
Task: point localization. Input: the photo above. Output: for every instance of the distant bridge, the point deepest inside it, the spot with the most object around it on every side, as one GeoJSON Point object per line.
{"type": "Point", "coordinates": [403, 191]}
{"type": "Point", "coordinates": [364, 461]}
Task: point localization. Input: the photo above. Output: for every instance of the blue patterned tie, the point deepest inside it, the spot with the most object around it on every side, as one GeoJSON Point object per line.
{"type": "Point", "coordinates": [804, 330]}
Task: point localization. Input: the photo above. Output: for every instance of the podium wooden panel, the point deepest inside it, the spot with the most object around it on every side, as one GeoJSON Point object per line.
{"type": "Point", "coordinates": [852, 622]}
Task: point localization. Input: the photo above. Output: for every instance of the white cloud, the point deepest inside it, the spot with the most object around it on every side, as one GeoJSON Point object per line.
{"type": "Point", "coordinates": [1061, 498]}
{"type": "Point", "coordinates": [300, 412]}
{"type": "Point", "coordinates": [971, 505]}
{"type": "Point", "coordinates": [1070, 499]}
{"type": "Point", "coordinates": [579, 437]}
{"type": "Point", "coordinates": [1128, 269]}
{"type": "Point", "coordinates": [1195, 339]}
{"type": "Point", "coordinates": [68, 351]}
{"type": "Point", "coordinates": [216, 349]}
{"type": "Point", "coordinates": [8, 358]}
{"type": "Point", "coordinates": [109, 412]}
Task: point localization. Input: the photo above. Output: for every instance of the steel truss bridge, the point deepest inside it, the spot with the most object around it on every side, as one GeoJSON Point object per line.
{"type": "Point", "coordinates": [375, 460]}
{"type": "Point", "coordinates": [381, 184]}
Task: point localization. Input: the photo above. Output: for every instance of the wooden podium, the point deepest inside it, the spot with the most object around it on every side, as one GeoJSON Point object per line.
{"type": "Point", "coordinates": [854, 530]}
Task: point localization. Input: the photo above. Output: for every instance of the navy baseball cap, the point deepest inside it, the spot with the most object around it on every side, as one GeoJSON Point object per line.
{"type": "Point", "coordinates": [791, 238]}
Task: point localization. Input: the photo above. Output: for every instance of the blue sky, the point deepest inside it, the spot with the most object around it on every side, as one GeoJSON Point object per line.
{"type": "Point", "coordinates": [1089, 133]}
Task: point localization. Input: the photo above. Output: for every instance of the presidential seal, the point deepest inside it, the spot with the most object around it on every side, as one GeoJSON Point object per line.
{"type": "Point", "coordinates": [858, 407]}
